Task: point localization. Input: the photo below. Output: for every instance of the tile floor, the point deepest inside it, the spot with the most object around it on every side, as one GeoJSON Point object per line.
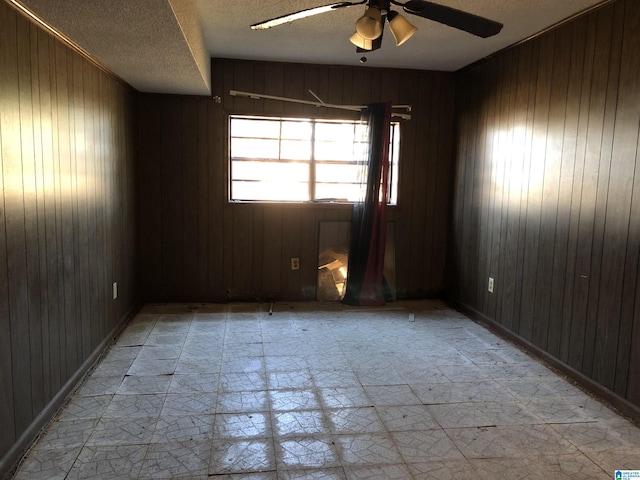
{"type": "Point", "coordinates": [323, 391]}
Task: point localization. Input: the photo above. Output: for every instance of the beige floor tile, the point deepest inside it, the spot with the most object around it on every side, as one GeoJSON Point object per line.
{"type": "Point", "coordinates": [324, 391]}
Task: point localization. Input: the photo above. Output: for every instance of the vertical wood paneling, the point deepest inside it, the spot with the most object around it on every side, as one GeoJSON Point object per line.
{"type": "Point", "coordinates": [620, 256]}
{"type": "Point", "coordinates": [423, 180]}
{"type": "Point", "coordinates": [256, 247]}
{"type": "Point", "coordinates": [594, 82]}
{"type": "Point", "coordinates": [56, 157]}
{"type": "Point", "coordinates": [6, 373]}
{"type": "Point", "coordinates": [524, 142]}
{"type": "Point", "coordinates": [50, 264]}
{"type": "Point", "coordinates": [479, 259]}
{"type": "Point", "coordinates": [106, 268]}
{"type": "Point", "coordinates": [191, 197]}
{"type": "Point", "coordinates": [21, 229]}
{"type": "Point", "coordinates": [9, 129]}
{"type": "Point", "coordinates": [241, 252]}
{"type": "Point", "coordinates": [573, 60]}
{"type": "Point", "coordinates": [203, 173]}
{"type": "Point", "coordinates": [55, 227]}
{"type": "Point", "coordinates": [95, 261]}
{"type": "Point", "coordinates": [598, 282]}
{"type": "Point", "coordinates": [227, 219]}
{"type": "Point", "coordinates": [309, 254]}
{"type": "Point", "coordinates": [272, 239]}
{"type": "Point", "coordinates": [579, 91]}
{"type": "Point", "coordinates": [556, 134]}
{"type": "Point", "coordinates": [217, 190]}
{"type": "Point", "coordinates": [444, 182]}
{"type": "Point", "coordinates": [466, 123]}
{"type": "Point", "coordinates": [498, 149]}
{"type": "Point", "coordinates": [172, 185]}
{"type": "Point", "coordinates": [39, 91]}
{"type": "Point", "coordinates": [633, 387]}
{"type": "Point", "coordinates": [513, 183]}
{"type": "Point", "coordinates": [409, 88]}
{"type": "Point", "coordinates": [291, 219]}
{"type": "Point", "coordinates": [535, 207]}
{"type": "Point", "coordinates": [68, 249]}
{"type": "Point", "coordinates": [568, 238]}
{"type": "Point", "coordinates": [150, 195]}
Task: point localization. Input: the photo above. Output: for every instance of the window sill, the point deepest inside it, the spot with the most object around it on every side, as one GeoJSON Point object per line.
{"type": "Point", "coordinates": [337, 205]}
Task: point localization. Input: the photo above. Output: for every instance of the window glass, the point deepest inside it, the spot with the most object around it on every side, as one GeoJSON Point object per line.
{"type": "Point", "coordinates": [255, 128]}
{"type": "Point", "coordinates": [296, 130]}
{"type": "Point", "coordinates": [295, 149]}
{"type": "Point", "coordinates": [282, 160]}
{"type": "Point", "coordinates": [281, 191]}
{"type": "Point", "coordinates": [270, 171]}
{"type": "Point", "coordinates": [255, 148]}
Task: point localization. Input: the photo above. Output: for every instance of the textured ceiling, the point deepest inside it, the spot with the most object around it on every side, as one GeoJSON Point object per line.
{"type": "Point", "coordinates": [325, 38]}
{"type": "Point", "coordinates": [154, 45]}
{"type": "Point", "coordinates": [164, 45]}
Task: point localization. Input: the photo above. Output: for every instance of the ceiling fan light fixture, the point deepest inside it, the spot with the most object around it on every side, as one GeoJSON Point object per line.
{"type": "Point", "coordinates": [369, 26]}
{"type": "Point", "coordinates": [361, 42]}
{"type": "Point", "coordinates": [401, 28]}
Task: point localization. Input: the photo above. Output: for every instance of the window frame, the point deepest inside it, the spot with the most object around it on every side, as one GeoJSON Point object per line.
{"type": "Point", "coordinates": [394, 144]}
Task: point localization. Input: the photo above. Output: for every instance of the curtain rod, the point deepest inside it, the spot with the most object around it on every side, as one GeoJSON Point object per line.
{"type": "Point", "coordinates": [319, 103]}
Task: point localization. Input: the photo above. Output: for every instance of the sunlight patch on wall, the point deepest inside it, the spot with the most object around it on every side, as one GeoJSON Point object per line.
{"type": "Point", "coordinates": [517, 175]}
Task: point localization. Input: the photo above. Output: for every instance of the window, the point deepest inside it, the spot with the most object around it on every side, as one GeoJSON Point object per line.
{"type": "Point", "coordinates": [301, 160]}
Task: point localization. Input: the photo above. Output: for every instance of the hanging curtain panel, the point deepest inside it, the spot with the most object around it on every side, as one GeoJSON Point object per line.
{"type": "Point", "coordinates": [366, 284]}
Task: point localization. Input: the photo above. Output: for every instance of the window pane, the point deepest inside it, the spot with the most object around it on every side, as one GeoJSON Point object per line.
{"type": "Point", "coordinates": [296, 130]}
{"type": "Point", "coordinates": [344, 192]}
{"type": "Point", "coordinates": [337, 132]}
{"type": "Point", "coordinates": [270, 171]}
{"type": "Point", "coordinates": [255, 128]}
{"type": "Point", "coordinates": [395, 155]}
{"type": "Point", "coordinates": [295, 150]}
{"type": "Point", "coordinates": [335, 151]}
{"type": "Point", "coordinates": [283, 151]}
{"type": "Point", "coordinates": [340, 173]}
{"type": "Point", "coordinates": [273, 191]}
{"type": "Point", "coordinates": [254, 148]}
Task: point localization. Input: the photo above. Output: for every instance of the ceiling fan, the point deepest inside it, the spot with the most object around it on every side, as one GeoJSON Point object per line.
{"type": "Point", "coordinates": [369, 27]}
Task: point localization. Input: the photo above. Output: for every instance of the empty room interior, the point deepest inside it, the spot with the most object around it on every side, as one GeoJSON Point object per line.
{"type": "Point", "coordinates": [178, 227]}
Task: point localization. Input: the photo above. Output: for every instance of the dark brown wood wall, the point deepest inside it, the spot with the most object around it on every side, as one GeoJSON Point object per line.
{"type": "Point", "coordinates": [66, 216]}
{"type": "Point", "coordinates": [198, 247]}
{"type": "Point", "coordinates": [547, 194]}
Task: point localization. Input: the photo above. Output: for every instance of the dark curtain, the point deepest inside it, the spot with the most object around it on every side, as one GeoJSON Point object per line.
{"type": "Point", "coordinates": [365, 274]}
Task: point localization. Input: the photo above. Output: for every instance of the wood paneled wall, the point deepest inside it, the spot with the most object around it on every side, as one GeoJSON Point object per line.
{"type": "Point", "coordinates": [547, 194]}
{"type": "Point", "coordinates": [198, 247]}
{"type": "Point", "coordinates": [66, 217]}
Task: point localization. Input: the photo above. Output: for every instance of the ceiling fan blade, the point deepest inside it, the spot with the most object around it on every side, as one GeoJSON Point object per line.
{"type": "Point", "coordinates": [302, 14]}
{"type": "Point", "coordinates": [482, 27]}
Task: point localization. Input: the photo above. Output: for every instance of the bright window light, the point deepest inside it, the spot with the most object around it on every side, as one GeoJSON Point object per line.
{"type": "Point", "coordinates": [301, 160]}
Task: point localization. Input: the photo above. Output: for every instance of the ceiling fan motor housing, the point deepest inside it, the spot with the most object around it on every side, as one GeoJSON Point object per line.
{"type": "Point", "coordinates": [383, 5]}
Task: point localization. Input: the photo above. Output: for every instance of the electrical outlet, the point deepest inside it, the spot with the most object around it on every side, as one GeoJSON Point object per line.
{"type": "Point", "coordinates": [115, 290]}
{"type": "Point", "coordinates": [490, 287]}
{"type": "Point", "coordinates": [295, 263]}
